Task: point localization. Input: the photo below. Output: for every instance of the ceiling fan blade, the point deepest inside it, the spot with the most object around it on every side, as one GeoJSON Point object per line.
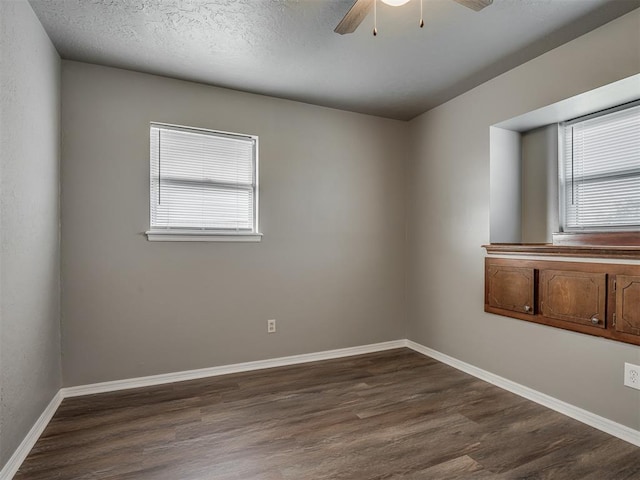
{"type": "Point", "coordinates": [476, 5]}
{"type": "Point", "coordinates": [354, 16]}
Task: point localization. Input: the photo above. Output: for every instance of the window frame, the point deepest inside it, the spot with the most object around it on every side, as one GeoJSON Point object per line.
{"type": "Point", "coordinates": [201, 234]}
{"type": "Point", "coordinates": [592, 234]}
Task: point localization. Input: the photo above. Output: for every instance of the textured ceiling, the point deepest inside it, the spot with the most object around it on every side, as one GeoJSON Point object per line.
{"type": "Point", "coordinates": [287, 48]}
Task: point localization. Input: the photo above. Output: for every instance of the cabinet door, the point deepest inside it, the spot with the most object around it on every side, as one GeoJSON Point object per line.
{"type": "Point", "coordinates": [577, 297]}
{"type": "Point", "coordinates": [510, 288]}
{"type": "Point", "coordinates": [628, 304]}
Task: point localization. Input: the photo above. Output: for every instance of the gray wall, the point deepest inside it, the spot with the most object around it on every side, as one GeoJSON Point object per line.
{"type": "Point", "coordinates": [540, 184]}
{"type": "Point", "coordinates": [505, 186]}
{"type": "Point", "coordinates": [449, 208]}
{"type": "Point", "coordinates": [29, 223]}
{"type": "Point", "coordinates": [330, 267]}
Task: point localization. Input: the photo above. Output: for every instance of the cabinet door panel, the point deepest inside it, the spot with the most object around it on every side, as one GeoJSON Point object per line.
{"type": "Point", "coordinates": [511, 288]}
{"type": "Point", "coordinates": [628, 304]}
{"type": "Point", "coordinates": [577, 297]}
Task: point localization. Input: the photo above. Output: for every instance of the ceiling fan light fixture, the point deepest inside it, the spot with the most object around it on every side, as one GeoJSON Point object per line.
{"type": "Point", "coordinates": [395, 3]}
{"type": "Point", "coordinates": [360, 8]}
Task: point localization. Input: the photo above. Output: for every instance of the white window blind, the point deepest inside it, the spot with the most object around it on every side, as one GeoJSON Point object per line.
{"type": "Point", "coordinates": [601, 172]}
{"type": "Point", "coordinates": [203, 181]}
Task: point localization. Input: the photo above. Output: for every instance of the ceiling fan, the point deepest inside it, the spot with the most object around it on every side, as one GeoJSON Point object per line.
{"type": "Point", "coordinates": [361, 8]}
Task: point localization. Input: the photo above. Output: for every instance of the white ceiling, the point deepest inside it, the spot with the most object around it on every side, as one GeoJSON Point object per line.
{"type": "Point", "coordinates": [287, 48]}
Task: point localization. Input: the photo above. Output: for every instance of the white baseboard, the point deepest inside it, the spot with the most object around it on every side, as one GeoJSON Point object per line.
{"type": "Point", "coordinates": [32, 437]}
{"type": "Point", "coordinates": [227, 369]}
{"type": "Point", "coordinates": [27, 444]}
{"type": "Point", "coordinates": [604, 424]}
{"type": "Point", "coordinates": [617, 430]}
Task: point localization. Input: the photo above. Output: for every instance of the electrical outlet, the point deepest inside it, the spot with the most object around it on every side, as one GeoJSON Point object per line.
{"type": "Point", "coordinates": [632, 375]}
{"type": "Point", "coordinates": [271, 326]}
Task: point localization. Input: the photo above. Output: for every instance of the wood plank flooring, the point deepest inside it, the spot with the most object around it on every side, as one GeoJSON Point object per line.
{"type": "Point", "coordinates": [391, 415]}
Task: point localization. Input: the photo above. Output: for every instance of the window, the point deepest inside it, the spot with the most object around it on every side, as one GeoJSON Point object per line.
{"type": "Point", "coordinates": [204, 185]}
{"type": "Point", "coordinates": [600, 171]}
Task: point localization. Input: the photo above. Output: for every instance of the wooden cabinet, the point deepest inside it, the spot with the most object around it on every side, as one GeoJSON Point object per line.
{"type": "Point", "coordinates": [593, 298]}
{"type": "Point", "coordinates": [628, 304]}
{"type": "Point", "coordinates": [511, 288]}
{"type": "Point", "coordinates": [578, 297]}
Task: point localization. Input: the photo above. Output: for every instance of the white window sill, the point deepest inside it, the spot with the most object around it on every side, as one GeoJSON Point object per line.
{"type": "Point", "coordinates": [192, 236]}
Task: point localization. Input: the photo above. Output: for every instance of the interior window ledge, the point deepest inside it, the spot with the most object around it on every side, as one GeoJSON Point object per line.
{"type": "Point", "coordinates": [597, 239]}
{"type": "Point", "coordinates": [548, 249]}
{"type": "Point", "coordinates": [190, 236]}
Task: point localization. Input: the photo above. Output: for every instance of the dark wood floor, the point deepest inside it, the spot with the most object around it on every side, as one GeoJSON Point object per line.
{"type": "Point", "coordinates": [390, 415]}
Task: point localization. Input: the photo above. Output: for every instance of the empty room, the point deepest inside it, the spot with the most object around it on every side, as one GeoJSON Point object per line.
{"type": "Point", "coordinates": [319, 239]}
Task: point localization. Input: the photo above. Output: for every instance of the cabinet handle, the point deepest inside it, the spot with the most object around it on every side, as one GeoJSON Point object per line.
{"type": "Point", "coordinates": [527, 308]}
{"type": "Point", "coordinates": [595, 320]}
